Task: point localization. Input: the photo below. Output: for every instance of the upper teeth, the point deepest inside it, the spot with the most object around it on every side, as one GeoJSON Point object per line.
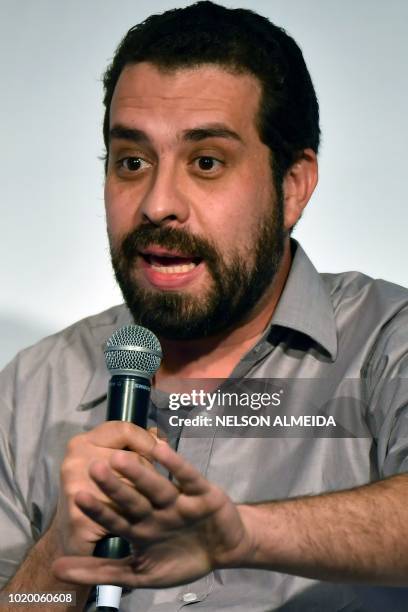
{"type": "Point", "coordinates": [174, 269]}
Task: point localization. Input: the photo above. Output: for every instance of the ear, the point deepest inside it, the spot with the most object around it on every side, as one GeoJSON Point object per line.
{"type": "Point", "coordinates": [298, 186]}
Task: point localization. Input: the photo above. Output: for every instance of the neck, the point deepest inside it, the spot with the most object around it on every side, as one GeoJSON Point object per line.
{"type": "Point", "coordinates": [217, 356]}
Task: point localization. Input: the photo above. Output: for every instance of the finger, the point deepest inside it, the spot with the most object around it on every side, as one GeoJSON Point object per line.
{"type": "Point", "coordinates": [102, 514]}
{"type": "Point", "coordinates": [163, 494]}
{"type": "Point", "coordinates": [152, 485]}
{"type": "Point", "coordinates": [131, 504]}
{"type": "Point", "coordinates": [122, 435]}
{"type": "Point", "coordinates": [94, 570]}
{"type": "Point", "coordinates": [189, 478]}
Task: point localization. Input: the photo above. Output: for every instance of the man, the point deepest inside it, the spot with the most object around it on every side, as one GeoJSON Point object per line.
{"type": "Point", "coordinates": [212, 135]}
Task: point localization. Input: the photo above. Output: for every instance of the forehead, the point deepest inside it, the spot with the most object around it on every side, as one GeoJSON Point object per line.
{"type": "Point", "coordinates": [185, 96]}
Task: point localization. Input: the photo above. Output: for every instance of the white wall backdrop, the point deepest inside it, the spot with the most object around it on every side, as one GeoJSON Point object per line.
{"type": "Point", "coordinates": [54, 258]}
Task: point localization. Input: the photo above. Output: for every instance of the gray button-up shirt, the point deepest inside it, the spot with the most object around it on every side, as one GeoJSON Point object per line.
{"type": "Point", "coordinates": [338, 329]}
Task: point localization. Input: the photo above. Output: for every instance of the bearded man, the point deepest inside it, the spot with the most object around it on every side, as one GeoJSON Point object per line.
{"type": "Point", "coordinates": [211, 132]}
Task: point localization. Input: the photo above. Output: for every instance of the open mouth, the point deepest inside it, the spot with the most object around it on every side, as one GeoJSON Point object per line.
{"type": "Point", "coordinates": [171, 264]}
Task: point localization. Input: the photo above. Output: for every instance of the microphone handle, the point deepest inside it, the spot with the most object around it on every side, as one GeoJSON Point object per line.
{"type": "Point", "coordinates": [128, 400]}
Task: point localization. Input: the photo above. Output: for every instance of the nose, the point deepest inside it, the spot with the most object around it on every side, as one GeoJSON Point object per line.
{"type": "Point", "coordinates": [165, 200]}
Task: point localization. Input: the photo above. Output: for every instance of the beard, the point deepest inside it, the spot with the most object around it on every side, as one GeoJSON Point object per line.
{"type": "Point", "coordinates": [236, 286]}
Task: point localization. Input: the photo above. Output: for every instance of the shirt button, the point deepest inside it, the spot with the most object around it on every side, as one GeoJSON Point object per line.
{"type": "Point", "coordinates": [189, 597]}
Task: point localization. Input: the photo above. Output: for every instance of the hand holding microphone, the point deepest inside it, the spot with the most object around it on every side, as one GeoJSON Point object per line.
{"type": "Point", "coordinates": [133, 355]}
{"type": "Point", "coordinates": [179, 529]}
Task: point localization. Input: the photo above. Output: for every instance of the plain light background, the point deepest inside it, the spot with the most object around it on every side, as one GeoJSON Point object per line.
{"type": "Point", "coordinates": [55, 266]}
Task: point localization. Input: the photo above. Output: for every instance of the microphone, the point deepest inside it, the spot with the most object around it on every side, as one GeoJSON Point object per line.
{"type": "Point", "coordinates": [133, 355]}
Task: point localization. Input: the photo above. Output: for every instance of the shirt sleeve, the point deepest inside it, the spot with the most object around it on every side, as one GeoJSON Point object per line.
{"type": "Point", "coordinates": [15, 524]}
{"type": "Point", "coordinates": [387, 389]}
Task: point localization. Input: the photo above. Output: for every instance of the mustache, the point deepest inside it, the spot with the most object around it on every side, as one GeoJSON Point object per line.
{"type": "Point", "coordinates": [170, 238]}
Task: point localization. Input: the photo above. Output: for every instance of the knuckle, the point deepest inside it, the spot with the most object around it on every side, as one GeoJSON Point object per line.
{"type": "Point", "coordinates": [70, 489]}
{"type": "Point", "coordinates": [66, 469]}
{"type": "Point", "coordinates": [129, 429]}
{"type": "Point", "coordinates": [73, 476]}
{"type": "Point", "coordinates": [75, 443]}
{"type": "Point", "coordinates": [120, 459]}
{"type": "Point", "coordinates": [115, 427]}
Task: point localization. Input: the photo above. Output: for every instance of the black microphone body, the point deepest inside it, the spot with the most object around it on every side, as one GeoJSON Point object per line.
{"type": "Point", "coordinates": [128, 400]}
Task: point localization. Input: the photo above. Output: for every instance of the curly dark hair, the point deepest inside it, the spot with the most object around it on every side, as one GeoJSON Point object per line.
{"type": "Point", "coordinates": [244, 42]}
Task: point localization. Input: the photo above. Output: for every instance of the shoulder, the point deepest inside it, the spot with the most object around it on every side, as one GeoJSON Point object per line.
{"type": "Point", "coordinates": [86, 333]}
{"type": "Point", "coordinates": [72, 351]}
{"type": "Point", "coordinates": [361, 298]}
{"type": "Point", "coordinates": [348, 288]}
{"type": "Point", "coordinates": [374, 309]}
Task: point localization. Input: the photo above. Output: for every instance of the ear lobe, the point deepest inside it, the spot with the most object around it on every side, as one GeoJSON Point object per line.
{"type": "Point", "coordinates": [298, 186]}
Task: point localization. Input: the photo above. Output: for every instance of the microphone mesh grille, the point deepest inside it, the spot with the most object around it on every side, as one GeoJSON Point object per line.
{"type": "Point", "coordinates": [132, 348]}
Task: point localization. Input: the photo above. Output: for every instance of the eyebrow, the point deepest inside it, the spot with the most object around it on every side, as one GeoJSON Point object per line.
{"type": "Point", "coordinates": [121, 132]}
{"type": "Point", "coordinates": [213, 130]}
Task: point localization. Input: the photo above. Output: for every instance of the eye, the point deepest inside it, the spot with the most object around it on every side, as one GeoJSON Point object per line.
{"type": "Point", "coordinates": [206, 163]}
{"type": "Point", "coordinates": [132, 164]}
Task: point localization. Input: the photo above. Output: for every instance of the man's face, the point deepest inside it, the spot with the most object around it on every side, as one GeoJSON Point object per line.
{"type": "Point", "coordinates": [194, 222]}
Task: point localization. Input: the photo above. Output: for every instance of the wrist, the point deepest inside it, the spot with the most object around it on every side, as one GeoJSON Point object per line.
{"type": "Point", "coordinates": [263, 525]}
{"type": "Point", "coordinates": [249, 547]}
{"type": "Point", "coordinates": [50, 545]}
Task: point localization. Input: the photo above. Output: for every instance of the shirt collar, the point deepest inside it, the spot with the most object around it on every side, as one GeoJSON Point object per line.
{"type": "Point", "coordinates": [305, 303]}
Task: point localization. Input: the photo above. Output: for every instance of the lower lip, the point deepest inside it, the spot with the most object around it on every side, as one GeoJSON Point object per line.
{"type": "Point", "coordinates": [169, 281]}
